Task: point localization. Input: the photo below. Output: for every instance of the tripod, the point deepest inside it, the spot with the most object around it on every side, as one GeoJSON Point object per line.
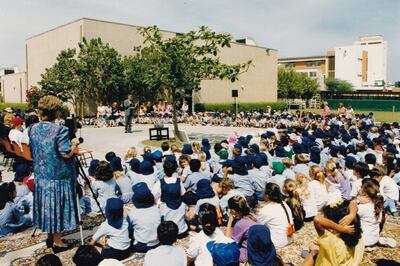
{"type": "Point", "coordinates": [81, 173]}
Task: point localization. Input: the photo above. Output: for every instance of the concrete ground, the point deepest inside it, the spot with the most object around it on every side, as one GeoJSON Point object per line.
{"type": "Point", "coordinates": [103, 140]}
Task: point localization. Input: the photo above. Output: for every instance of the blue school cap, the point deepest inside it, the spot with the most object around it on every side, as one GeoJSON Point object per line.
{"type": "Point", "coordinates": [22, 170]}
{"type": "Point", "coordinates": [92, 167]}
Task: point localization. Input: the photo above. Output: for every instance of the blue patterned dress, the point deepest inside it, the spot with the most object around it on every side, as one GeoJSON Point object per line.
{"type": "Point", "coordinates": [54, 208]}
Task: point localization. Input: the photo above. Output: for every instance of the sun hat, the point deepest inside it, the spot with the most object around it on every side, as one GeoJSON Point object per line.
{"type": "Point", "coordinates": [187, 149]}
{"type": "Point", "coordinates": [146, 167]}
{"type": "Point", "coordinates": [142, 196]}
{"type": "Point", "coordinates": [115, 212]}
{"type": "Point", "coordinates": [21, 171]}
{"type": "Point", "coordinates": [92, 167]}
{"type": "Point", "coordinates": [17, 121]}
{"type": "Point", "coordinates": [204, 189]}
{"type": "Point", "coordinates": [135, 165]}
{"type": "Point", "coordinates": [223, 154]}
{"type": "Point", "coordinates": [260, 249]}
{"type": "Point", "coordinates": [116, 164]}
{"type": "Point", "coordinates": [278, 167]}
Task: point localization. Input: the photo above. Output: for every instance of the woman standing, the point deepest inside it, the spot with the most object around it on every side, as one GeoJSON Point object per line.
{"type": "Point", "coordinates": [55, 209]}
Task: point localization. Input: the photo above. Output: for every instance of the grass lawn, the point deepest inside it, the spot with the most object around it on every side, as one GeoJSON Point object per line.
{"type": "Point", "coordinates": [380, 116]}
{"type": "Point", "coordinates": [157, 143]}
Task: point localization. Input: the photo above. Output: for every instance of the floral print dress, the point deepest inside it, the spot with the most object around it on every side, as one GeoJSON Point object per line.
{"type": "Point", "coordinates": [54, 208]}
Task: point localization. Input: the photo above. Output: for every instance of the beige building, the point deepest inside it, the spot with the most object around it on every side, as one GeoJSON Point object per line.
{"type": "Point", "coordinates": [318, 67]}
{"type": "Point", "coordinates": [258, 84]}
{"type": "Point", "coordinates": [13, 87]}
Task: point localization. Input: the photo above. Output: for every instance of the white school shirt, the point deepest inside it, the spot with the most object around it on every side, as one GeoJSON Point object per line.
{"type": "Point", "coordinates": [177, 216]}
{"type": "Point", "coordinates": [223, 203]}
{"type": "Point", "coordinates": [274, 217]}
{"type": "Point", "coordinates": [288, 173]}
{"type": "Point", "coordinates": [198, 246]}
{"type": "Point", "coordinates": [213, 201]}
{"type": "Point", "coordinates": [309, 205]}
{"type": "Point", "coordinates": [125, 187]}
{"type": "Point", "coordinates": [104, 191]}
{"type": "Point", "coordinates": [116, 238]}
{"type": "Point", "coordinates": [388, 188]}
{"type": "Point", "coordinates": [369, 223]}
{"type": "Point", "coordinates": [156, 189]}
{"type": "Point", "coordinates": [145, 222]}
{"type": "Point", "coordinates": [166, 255]}
{"type": "Point", "coordinates": [355, 188]}
{"type": "Point", "coordinates": [15, 136]}
{"type": "Point", "coordinates": [301, 169]}
{"type": "Point", "coordinates": [258, 178]}
{"type": "Point", "coordinates": [319, 191]}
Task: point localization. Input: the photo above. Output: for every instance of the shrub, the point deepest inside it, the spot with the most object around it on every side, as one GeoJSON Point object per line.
{"type": "Point", "coordinates": [242, 107]}
{"type": "Point", "coordinates": [15, 106]}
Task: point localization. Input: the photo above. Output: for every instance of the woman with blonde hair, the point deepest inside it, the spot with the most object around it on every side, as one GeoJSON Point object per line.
{"type": "Point", "coordinates": [55, 206]}
{"type": "Point", "coordinates": [317, 186]}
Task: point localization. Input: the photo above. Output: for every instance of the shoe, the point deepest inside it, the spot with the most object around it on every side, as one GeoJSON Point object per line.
{"type": "Point", "coordinates": [49, 243]}
{"type": "Point", "coordinates": [57, 249]}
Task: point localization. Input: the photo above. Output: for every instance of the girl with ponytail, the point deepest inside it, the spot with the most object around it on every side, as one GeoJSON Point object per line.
{"type": "Point", "coordinates": [294, 202]}
{"type": "Point", "coordinates": [370, 207]}
{"type": "Point", "coordinates": [208, 219]}
{"type": "Point", "coordinates": [317, 186]}
{"type": "Point", "coordinates": [240, 211]}
{"type": "Point", "coordinates": [277, 216]}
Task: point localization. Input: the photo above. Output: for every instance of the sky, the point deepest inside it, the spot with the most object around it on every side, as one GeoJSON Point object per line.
{"type": "Point", "coordinates": [293, 27]}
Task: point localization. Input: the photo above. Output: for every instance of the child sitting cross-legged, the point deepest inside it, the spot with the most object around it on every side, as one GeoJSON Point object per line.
{"type": "Point", "coordinates": [116, 229]}
{"type": "Point", "coordinates": [104, 186]}
{"type": "Point", "coordinates": [169, 190]}
{"type": "Point", "coordinates": [167, 253]}
{"type": "Point", "coordinates": [144, 218]}
{"type": "Point", "coordinates": [12, 218]}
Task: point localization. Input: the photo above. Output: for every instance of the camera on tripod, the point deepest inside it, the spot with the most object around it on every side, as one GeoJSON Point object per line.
{"type": "Point", "coordinates": [72, 123]}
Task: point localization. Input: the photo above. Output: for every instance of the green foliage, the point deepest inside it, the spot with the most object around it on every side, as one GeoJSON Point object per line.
{"type": "Point", "coordinates": [101, 72]}
{"type": "Point", "coordinates": [33, 96]}
{"type": "Point", "coordinates": [242, 107]}
{"type": "Point", "coordinates": [338, 85]}
{"type": "Point", "coordinates": [61, 79]}
{"type": "Point", "coordinates": [293, 85]}
{"type": "Point", "coordinates": [181, 62]}
{"type": "Point", "coordinates": [15, 106]}
{"type": "Point", "coordinates": [96, 72]}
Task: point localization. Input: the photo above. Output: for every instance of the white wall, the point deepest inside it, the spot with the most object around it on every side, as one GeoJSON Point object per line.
{"type": "Point", "coordinates": [348, 64]}
{"type": "Point", "coordinates": [13, 87]}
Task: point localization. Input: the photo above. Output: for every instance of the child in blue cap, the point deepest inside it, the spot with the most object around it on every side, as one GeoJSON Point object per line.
{"type": "Point", "coordinates": [169, 190]}
{"type": "Point", "coordinates": [116, 229]}
{"type": "Point", "coordinates": [144, 218]}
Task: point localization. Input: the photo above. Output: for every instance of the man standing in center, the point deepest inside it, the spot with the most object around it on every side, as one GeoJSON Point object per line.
{"type": "Point", "coordinates": [129, 113]}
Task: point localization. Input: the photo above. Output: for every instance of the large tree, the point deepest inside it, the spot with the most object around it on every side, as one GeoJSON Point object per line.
{"type": "Point", "coordinates": [184, 60]}
{"type": "Point", "coordinates": [95, 73]}
{"type": "Point", "coordinates": [101, 72]}
{"type": "Point", "coordinates": [292, 84]}
{"type": "Point", "coordinates": [338, 85]}
{"type": "Point", "coordinates": [61, 79]}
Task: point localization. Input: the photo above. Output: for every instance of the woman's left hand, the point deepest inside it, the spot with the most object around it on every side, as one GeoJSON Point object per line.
{"type": "Point", "coordinates": [346, 220]}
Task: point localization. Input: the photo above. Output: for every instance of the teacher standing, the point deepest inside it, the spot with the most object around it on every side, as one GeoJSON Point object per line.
{"type": "Point", "coordinates": [54, 207]}
{"type": "Point", "coordinates": [129, 113]}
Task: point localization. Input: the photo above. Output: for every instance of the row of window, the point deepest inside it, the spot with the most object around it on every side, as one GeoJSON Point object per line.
{"type": "Point", "coordinates": [308, 64]}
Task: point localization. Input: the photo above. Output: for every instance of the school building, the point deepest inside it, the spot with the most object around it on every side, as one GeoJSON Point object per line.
{"type": "Point", "coordinates": [258, 84]}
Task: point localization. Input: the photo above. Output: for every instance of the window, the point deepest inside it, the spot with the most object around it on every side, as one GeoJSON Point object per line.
{"type": "Point", "coordinates": [313, 63]}
{"type": "Point", "coordinates": [289, 65]}
{"type": "Point", "coordinates": [313, 74]}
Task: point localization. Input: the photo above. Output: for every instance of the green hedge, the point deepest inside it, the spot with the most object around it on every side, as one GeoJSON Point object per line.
{"type": "Point", "coordinates": [242, 107]}
{"type": "Point", "coordinates": [15, 106]}
{"type": "Point", "coordinates": [366, 105]}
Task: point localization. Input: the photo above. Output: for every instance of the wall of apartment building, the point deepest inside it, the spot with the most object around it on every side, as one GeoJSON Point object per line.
{"type": "Point", "coordinates": [13, 88]}
{"type": "Point", "coordinates": [42, 49]}
{"type": "Point", "coordinates": [348, 64]}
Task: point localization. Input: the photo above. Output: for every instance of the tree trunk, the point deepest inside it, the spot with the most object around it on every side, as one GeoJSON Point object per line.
{"type": "Point", "coordinates": [174, 118]}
